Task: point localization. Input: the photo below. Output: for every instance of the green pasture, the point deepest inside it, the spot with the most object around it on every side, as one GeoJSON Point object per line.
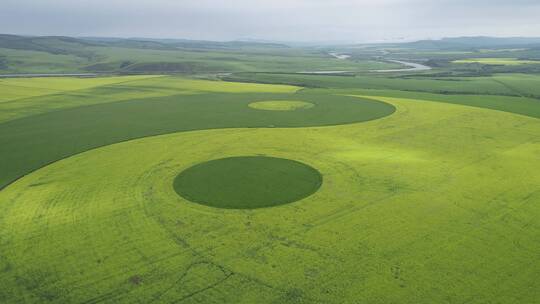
{"type": "Point", "coordinates": [497, 61]}
{"type": "Point", "coordinates": [29, 143]}
{"type": "Point", "coordinates": [30, 96]}
{"type": "Point", "coordinates": [420, 197]}
{"type": "Point", "coordinates": [290, 60]}
{"type": "Point", "coordinates": [21, 88]}
{"type": "Point", "coordinates": [27, 61]}
{"type": "Point", "coordinates": [111, 59]}
{"type": "Point", "coordinates": [519, 85]}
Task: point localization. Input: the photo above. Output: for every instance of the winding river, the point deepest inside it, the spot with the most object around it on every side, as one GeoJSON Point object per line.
{"type": "Point", "coordinates": [413, 67]}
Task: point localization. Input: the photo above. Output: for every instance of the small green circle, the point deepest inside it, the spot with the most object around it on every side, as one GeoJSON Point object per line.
{"type": "Point", "coordinates": [281, 105]}
{"type": "Point", "coordinates": [247, 182]}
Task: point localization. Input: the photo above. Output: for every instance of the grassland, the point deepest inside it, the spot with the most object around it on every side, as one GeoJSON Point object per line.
{"type": "Point", "coordinates": [446, 88]}
{"type": "Point", "coordinates": [409, 188]}
{"type": "Point", "coordinates": [23, 55]}
{"type": "Point", "coordinates": [27, 61]}
{"type": "Point", "coordinates": [31, 96]}
{"type": "Point", "coordinates": [497, 61]}
{"type": "Point", "coordinates": [434, 203]}
{"type": "Point", "coordinates": [20, 88]}
{"type": "Point", "coordinates": [30, 142]}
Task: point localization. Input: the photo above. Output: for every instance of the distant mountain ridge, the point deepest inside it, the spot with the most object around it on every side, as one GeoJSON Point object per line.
{"type": "Point", "coordinates": [75, 46]}
{"type": "Point", "coordinates": [57, 45]}
{"type": "Point", "coordinates": [474, 42]}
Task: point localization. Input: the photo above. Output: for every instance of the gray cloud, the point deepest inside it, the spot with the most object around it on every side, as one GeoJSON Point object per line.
{"type": "Point", "coordinates": [301, 20]}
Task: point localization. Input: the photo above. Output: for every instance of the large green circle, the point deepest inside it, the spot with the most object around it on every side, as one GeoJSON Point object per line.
{"type": "Point", "coordinates": [247, 182]}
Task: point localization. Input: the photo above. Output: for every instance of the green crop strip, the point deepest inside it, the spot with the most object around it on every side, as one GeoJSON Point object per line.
{"type": "Point", "coordinates": [29, 143]}
{"type": "Point", "coordinates": [434, 203]}
{"type": "Point", "coordinates": [409, 205]}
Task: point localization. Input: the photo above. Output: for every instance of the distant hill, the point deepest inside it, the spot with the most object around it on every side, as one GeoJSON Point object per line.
{"type": "Point", "coordinates": [59, 54]}
{"type": "Point", "coordinates": [474, 43]}
{"type": "Point", "coordinates": [60, 45]}
{"type": "Point", "coordinates": [183, 43]}
{"type": "Point", "coordinates": [57, 45]}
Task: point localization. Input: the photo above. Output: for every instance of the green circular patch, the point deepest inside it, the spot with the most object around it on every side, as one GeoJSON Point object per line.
{"type": "Point", "coordinates": [247, 182]}
{"type": "Point", "coordinates": [281, 105]}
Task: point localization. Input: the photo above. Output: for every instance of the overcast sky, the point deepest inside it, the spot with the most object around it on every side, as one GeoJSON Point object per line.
{"type": "Point", "coordinates": [284, 20]}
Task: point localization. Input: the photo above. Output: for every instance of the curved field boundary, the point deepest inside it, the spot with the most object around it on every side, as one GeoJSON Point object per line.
{"type": "Point", "coordinates": [28, 97]}
{"type": "Point", "coordinates": [30, 143]}
{"type": "Point", "coordinates": [513, 105]}
{"type": "Point", "coordinates": [384, 179]}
